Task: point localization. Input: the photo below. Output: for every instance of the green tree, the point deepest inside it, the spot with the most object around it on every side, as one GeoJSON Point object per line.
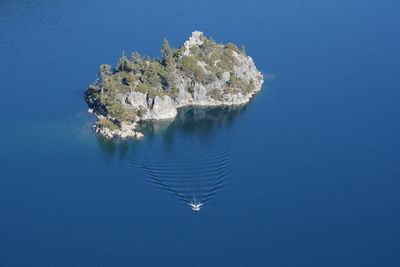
{"type": "Point", "coordinates": [243, 51]}
{"type": "Point", "coordinates": [124, 64]}
{"type": "Point", "coordinates": [106, 123]}
{"type": "Point", "coordinates": [136, 57]}
{"type": "Point", "coordinates": [167, 52]}
{"type": "Point", "coordinates": [151, 75]}
{"type": "Point", "coordinates": [92, 95]}
{"type": "Point", "coordinates": [104, 70]}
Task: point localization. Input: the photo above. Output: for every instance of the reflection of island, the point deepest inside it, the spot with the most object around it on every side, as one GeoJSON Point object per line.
{"type": "Point", "coordinates": [195, 162]}
{"type": "Point", "coordinates": [192, 161]}
{"type": "Point", "coordinates": [112, 147]}
{"type": "Point", "coordinates": [195, 120]}
{"type": "Point", "coordinates": [201, 72]}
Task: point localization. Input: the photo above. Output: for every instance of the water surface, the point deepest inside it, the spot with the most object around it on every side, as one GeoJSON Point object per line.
{"type": "Point", "coordinates": [305, 174]}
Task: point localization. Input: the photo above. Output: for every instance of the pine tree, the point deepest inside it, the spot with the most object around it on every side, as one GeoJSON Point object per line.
{"type": "Point", "coordinates": [167, 52]}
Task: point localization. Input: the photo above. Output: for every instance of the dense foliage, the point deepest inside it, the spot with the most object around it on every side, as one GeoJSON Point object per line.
{"type": "Point", "coordinates": [157, 77]}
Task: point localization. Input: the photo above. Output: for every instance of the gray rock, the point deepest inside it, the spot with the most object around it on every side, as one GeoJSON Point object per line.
{"type": "Point", "coordinates": [162, 108]}
{"type": "Point", "coordinates": [165, 107]}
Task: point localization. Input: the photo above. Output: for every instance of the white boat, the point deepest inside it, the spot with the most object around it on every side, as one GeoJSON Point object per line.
{"type": "Point", "coordinates": [195, 206]}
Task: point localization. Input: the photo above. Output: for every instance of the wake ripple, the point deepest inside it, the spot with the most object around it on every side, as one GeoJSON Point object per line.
{"type": "Point", "coordinates": [193, 171]}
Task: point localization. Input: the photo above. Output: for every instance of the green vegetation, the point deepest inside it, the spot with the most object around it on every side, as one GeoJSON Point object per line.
{"type": "Point", "coordinates": [249, 87]}
{"type": "Point", "coordinates": [216, 94]}
{"type": "Point", "coordinates": [92, 95]}
{"type": "Point", "coordinates": [142, 111]}
{"type": "Point", "coordinates": [235, 82]}
{"type": "Point", "coordinates": [233, 47]}
{"type": "Point", "coordinates": [106, 123]}
{"type": "Point", "coordinates": [172, 92]}
{"type": "Point", "coordinates": [230, 90]}
{"type": "Point", "coordinates": [152, 93]}
{"type": "Point", "coordinates": [189, 66]}
{"type": "Point", "coordinates": [191, 89]}
{"type": "Point", "coordinates": [158, 77]}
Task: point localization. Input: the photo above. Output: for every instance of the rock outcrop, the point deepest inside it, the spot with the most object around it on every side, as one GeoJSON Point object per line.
{"type": "Point", "coordinates": [201, 72]}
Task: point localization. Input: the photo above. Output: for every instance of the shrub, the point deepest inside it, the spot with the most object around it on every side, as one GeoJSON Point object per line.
{"type": "Point", "coordinates": [209, 45]}
{"type": "Point", "coordinates": [188, 63]}
{"type": "Point", "coordinates": [178, 52]}
{"type": "Point", "coordinates": [211, 68]}
{"type": "Point", "coordinates": [172, 92]}
{"type": "Point", "coordinates": [106, 123]}
{"type": "Point", "coordinates": [236, 82]}
{"type": "Point", "coordinates": [129, 79]}
{"type": "Point", "coordinates": [194, 71]}
{"type": "Point", "coordinates": [215, 94]}
{"type": "Point", "coordinates": [92, 95]}
{"type": "Point", "coordinates": [230, 90]}
{"type": "Point", "coordinates": [249, 88]}
{"type": "Point", "coordinates": [210, 78]}
{"type": "Point", "coordinates": [219, 74]}
{"type": "Point", "coordinates": [196, 52]}
{"type": "Point", "coordinates": [225, 65]}
{"type": "Point", "coordinates": [191, 89]}
{"type": "Point", "coordinates": [142, 111]}
{"type": "Point", "coordinates": [214, 57]}
{"type": "Point", "coordinates": [154, 92]}
{"type": "Point", "coordinates": [199, 75]}
{"type": "Point", "coordinates": [124, 65]}
{"type": "Point", "coordinates": [116, 110]}
{"type": "Point", "coordinates": [232, 46]}
{"type": "Point", "coordinates": [142, 88]}
{"type": "Point", "coordinates": [151, 76]}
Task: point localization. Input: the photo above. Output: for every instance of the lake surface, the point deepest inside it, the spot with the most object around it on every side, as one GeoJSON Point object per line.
{"type": "Point", "coordinates": [306, 174]}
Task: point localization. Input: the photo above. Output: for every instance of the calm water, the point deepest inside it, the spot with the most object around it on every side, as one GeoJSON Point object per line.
{"type": "Point", "coordinates": [306, 174]}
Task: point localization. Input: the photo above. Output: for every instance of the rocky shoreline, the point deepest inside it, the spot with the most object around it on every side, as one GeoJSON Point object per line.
{"type": "Point", "coordinates": [200, 73]}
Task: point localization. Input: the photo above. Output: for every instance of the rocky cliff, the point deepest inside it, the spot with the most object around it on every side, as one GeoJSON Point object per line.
{"type": "Point", "coordinates": [200, 72]}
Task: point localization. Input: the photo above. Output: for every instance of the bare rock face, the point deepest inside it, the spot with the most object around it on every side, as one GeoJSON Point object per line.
{"type": "Point", "coordinates": [136, 99]}
{"type": "Point", "coordinates": [246, 70]}
{"type": "Point", "coordinates": [126, 130]}
{"type": "Point", "coordinates": [200, 72]}
{"type": "Point", "coordinates": [163, 108]}
{"type": "Point", "coordinates": [195, 40]}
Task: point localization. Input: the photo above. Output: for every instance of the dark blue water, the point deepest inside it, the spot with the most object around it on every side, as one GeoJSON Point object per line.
{"type": "Point", "coordinates": [307, 174]}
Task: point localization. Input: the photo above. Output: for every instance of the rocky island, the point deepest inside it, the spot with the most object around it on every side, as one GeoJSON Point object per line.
{"type": "Point", "coordinates": [200, 72]}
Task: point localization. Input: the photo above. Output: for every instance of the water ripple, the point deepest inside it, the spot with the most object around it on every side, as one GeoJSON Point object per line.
{"type": "Point", "coordinates": [192, 171]}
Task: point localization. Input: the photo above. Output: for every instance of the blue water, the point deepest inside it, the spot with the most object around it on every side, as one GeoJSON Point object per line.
{"type": "Point", "coordinates": [307, 174]}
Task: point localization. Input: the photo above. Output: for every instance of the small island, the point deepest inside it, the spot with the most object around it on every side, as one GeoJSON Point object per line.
{"type": "Point", "coordinates": [200, 72]}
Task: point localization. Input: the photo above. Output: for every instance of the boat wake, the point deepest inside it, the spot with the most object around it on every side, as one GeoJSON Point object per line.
{"type": "Point", "coordinates": [193, 172]}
